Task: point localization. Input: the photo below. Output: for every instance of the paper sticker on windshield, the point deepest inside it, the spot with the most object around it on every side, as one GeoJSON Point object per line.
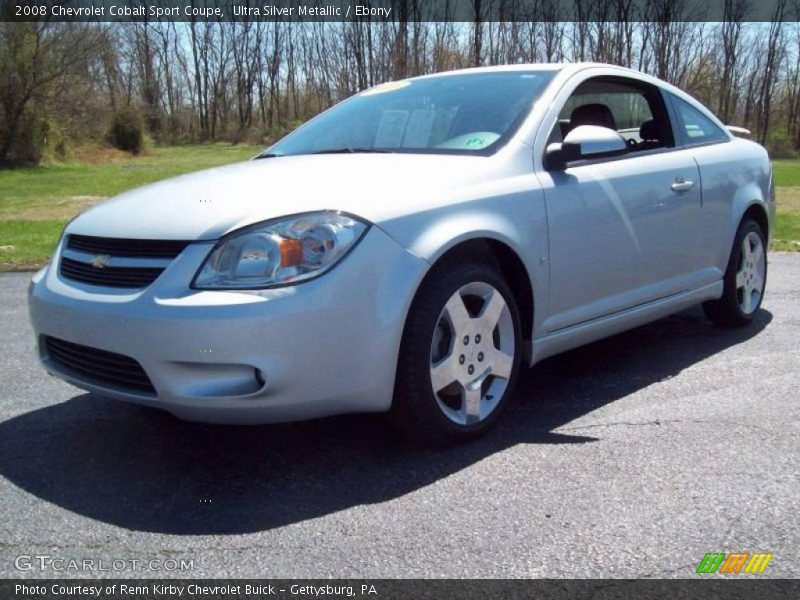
{"type": "Point", "coordinates": [471, 141]}
{"type": "Point", "coordinates": [391, 129]}
{"type": "Point", "coordinates": [418, 128]}
{"type": "Point", "coordinates": [391, 86]}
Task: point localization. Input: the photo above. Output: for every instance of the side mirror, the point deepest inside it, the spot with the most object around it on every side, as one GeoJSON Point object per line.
{"type": "Point", "coordinates": [585, 141]}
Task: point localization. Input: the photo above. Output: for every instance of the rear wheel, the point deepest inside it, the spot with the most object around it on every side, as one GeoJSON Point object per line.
{"type": "Point", "coordinates": [460, 353]}
{"type": "Point", "coordinates": [745, 278]}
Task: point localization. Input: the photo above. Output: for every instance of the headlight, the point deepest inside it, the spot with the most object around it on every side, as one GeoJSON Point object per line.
{"type": "Point", "coordinates": [280, 252]}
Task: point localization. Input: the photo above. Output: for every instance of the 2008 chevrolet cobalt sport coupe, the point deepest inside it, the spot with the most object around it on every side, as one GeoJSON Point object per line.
{"type": "Point", "coordinates": [410, 250]}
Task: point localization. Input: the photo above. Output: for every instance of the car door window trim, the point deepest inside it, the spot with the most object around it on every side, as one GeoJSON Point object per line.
{"type": "Point", "coordinates": [663, 106]}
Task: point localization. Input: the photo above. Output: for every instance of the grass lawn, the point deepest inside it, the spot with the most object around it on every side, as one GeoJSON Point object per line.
{"type": "Point", "coordinates": [33, 241]}
{"type": "Point", "coordinates": [786, 235]}
{"type": "Point", "coordinates": [36, 203]}
{"type": "Point", "coordinates": [787, 172]}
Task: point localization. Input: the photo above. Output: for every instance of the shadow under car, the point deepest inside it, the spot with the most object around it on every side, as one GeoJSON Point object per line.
{"type": "Point", "coordinates": [144, 470]}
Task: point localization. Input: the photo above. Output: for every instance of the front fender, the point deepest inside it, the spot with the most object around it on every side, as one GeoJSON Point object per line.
{"type": "Point", "coordinates": [515, 217]}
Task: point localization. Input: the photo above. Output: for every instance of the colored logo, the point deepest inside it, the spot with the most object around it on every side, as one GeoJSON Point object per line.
{"type": "Point", "coordinates": [734, 562]}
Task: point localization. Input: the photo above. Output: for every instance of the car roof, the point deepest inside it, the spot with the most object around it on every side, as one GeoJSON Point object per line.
{"type": "Point", "coordinates": [566, 70]}
{"type": "Point", "coordinates": [559, 66]}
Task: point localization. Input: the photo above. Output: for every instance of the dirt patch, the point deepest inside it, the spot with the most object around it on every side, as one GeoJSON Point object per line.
{"type": "Point", "coordinates": [58, 208]}
{"type": "Point", "coordinates": [101, 155]}
{"type": "Point", "coordinates": [6, 267]}
{"type": "Point", "coordinates": [788, 199]}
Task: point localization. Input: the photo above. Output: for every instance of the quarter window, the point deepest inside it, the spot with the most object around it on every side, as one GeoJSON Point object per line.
{"type": "Point", "coordinates": [697, 128]}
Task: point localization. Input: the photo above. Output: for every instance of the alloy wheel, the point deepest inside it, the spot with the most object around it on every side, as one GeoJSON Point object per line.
{"type": "Point", "coordinates": [751, 273]}
{"type": "Point", "coordinates": [472, 353]}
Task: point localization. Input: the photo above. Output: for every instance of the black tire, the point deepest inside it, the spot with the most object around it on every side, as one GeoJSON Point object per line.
{"type": "Point", "coordinates": [727, 311]}
{"type": "Point", "coordinates": [415, 409]}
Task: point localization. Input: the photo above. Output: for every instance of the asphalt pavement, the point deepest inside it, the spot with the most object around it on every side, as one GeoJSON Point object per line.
{"type": "Point", "coordinates": [631, 457]}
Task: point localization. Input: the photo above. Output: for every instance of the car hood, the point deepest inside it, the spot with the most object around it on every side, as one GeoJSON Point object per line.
{"type": "Point", "coordinates": [208, 204]}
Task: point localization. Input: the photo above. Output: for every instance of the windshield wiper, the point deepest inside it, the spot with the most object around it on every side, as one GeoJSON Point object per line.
{"type": "Point", "coordinates": [352, 150]}
{"type": "Point", "coordinates": [266, 155]}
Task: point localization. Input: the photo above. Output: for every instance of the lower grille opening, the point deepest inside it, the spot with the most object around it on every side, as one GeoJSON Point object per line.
{"type": "Point", "coordinates": [99, 365]}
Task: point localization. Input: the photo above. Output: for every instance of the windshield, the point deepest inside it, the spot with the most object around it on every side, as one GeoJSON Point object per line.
{"type": "Point", "coordinates": [471, 113]}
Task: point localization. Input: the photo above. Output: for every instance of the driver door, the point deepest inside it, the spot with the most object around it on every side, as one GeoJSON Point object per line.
{"type": "Point", "coordinates": [623, 231]}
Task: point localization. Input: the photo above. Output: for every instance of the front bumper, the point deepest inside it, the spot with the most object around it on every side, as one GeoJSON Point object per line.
{"type": "Point", "coordinates": [323, 347]}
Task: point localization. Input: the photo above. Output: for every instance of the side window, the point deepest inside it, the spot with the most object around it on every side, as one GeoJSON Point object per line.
{"type": "Point", "coordinates": [697, 128]}
{"type": "Point", "coordinates": [633, 109]}
{"type": "Point", "coordinates": [629, 109]}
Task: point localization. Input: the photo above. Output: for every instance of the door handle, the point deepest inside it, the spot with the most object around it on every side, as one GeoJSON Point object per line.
{"type": "Point", "coordinates": [681, 185]}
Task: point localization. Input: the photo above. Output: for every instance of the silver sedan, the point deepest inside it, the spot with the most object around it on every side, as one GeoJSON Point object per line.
{"type": "Point", "coordinates": [410, 250]}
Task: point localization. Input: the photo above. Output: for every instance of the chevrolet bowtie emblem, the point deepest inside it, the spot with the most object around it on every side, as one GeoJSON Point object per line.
{"type": "Point", "coordinates": [101, 261]}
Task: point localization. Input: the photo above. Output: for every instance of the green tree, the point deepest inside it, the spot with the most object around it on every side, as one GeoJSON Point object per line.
{"type": "Point", "coordinates": [40, 65]}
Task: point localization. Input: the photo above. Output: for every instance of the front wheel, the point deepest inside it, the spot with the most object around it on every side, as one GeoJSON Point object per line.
{"type": "Point", "coordinates": [745, 278]}
{"type": "Point", "coordinates": [460, 353]}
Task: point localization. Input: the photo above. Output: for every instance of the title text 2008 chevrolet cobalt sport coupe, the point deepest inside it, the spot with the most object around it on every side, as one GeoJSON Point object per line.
{"type": "Point", "coordinates": [410, 250]}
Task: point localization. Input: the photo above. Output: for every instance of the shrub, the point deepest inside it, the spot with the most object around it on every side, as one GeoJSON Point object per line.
{"type": "Point", "coordinates": [781, 147]}
{"type": "Point", "coordinates": [55, 141]}
{"type": "Point", "coordinates": [27, 146]}
{"type": "Point", "coordinates": [127, 131]}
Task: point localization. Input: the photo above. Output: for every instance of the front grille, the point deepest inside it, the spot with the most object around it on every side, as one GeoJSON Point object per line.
{"type": "Point", "coordinates": [117, 254]}
{"type": "Point", "coordinates": [126, 247]}
{"type": "Point", "coordinates": [99, 365]}
{"type": "Point", "coordinates": [121, 277]}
